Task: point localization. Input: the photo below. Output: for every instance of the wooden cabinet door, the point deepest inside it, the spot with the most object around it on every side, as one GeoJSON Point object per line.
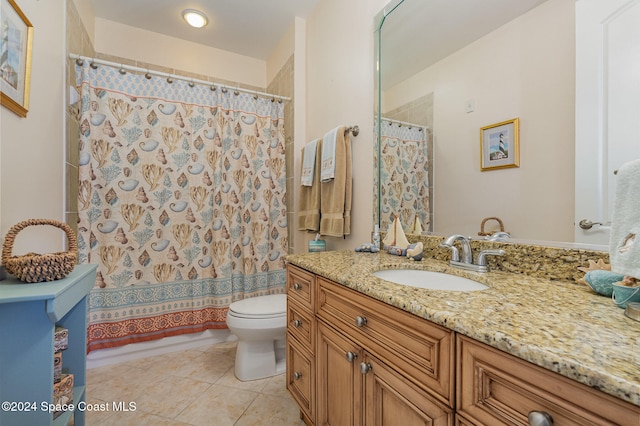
{"type": "Point", "coordinates": [339, 383]}
{"type": "Point", "coordinates": [391, 399]}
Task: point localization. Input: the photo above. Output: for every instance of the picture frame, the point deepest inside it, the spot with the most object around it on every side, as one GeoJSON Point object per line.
{"type": "Point", "coordinates": [500, 145]}
{"type": "Point", "coordinates": [16, 40]}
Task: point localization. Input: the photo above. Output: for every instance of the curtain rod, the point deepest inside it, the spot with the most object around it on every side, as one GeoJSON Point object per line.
{"type": "Point", "coordinates": [404, 123]}
{"type": "Point", "coordinates": [149, 72]}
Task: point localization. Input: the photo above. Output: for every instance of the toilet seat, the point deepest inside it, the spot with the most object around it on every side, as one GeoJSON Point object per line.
{"type": "Point", "coordinates": [271, 306]}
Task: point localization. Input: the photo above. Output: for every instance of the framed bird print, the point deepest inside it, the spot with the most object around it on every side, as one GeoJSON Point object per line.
{"type": "Point", "coordinates": [500, 145]}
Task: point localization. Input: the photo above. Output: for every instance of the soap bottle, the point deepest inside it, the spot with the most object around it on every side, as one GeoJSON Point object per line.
{"type": "Point", "coordinates": [376, 236]}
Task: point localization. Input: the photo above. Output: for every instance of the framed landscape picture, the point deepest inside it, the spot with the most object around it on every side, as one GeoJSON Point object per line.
{"type": "Point", "coordinates": [16, 38]}
{"type": "Point", "coordinates": [500, 145]}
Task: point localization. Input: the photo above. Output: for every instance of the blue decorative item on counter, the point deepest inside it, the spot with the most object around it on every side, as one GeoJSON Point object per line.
{"type": "Point", "coordinates": [601, 281]}
{"type": "Point", "coordinates": [415, 251]}
{"type": "Point", "coordinates": [622, 295]}
{"type": "Point", "coordinates": [367, 247]}
{"type": "Point", "coordinates": [317, 245]}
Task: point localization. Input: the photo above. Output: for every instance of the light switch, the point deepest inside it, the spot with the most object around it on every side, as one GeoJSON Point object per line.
{"type": "Point", "coordinates": [469, 106]}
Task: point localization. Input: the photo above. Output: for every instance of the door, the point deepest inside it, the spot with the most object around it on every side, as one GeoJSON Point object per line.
{"type": "Point", "coordinates": [339, 392]}
{"type": "Point", "coordinates": [391, 399]}
{"type": "Point", "coordinates": [607, 108]}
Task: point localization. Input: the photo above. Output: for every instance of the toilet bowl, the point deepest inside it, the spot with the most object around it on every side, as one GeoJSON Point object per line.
{"type": "Point", "coordinates": [260, 323]}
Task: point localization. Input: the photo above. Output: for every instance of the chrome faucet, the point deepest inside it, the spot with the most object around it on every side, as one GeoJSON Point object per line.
{"type": "Point", "coordinates": [467, 256]}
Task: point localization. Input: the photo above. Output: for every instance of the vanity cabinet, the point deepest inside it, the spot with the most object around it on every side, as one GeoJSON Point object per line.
{"type": "Point", "coordinates": [301, 341]}
{"type": "Point", "coordinates": [495, 388]}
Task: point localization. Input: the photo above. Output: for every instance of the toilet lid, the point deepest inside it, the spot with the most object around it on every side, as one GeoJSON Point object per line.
{"type": "Point", "coordinates": [273, 305]}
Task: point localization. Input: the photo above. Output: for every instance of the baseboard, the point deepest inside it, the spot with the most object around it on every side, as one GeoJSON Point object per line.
{"type": "Point", "coordinates": [133, 351]}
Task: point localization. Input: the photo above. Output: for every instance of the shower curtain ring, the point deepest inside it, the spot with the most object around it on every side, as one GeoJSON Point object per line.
{"type": "Point", "coordinates": [191, 83]}
{"type": "Point", "coordinates": [93, 65]}
{"type": "Point", "coordinates": [169, 80]}
{"type": "Point", "coordinates": [122, 70]}
{"type": "Point", "coordinates": [79, 62]}
{"type": "Point", "coordinates": [236, 92]}
{"type": "Point", "coordinates": [148, 75]}
{"type": "Point", "coordinates": [213, 88]}
{"type": "Point", "coordinates": [224, 90]}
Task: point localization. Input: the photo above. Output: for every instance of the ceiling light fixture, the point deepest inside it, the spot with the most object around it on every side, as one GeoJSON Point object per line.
{"type": "Point", "coordinates": [194, 18]}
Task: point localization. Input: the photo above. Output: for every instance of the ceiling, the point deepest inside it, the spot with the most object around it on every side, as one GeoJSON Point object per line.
{"type": "Point", "coordinates": [247, 27]}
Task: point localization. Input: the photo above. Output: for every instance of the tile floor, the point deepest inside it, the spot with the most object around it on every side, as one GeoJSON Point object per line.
{"type": "Point", "coordinates": [192, 387]}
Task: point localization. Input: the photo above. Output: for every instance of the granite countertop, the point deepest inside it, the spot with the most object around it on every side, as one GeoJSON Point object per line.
{"type": "Point", "coordinates": [559, 325]}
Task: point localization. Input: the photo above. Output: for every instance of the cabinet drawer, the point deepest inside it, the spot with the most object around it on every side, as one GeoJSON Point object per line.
{"type": "Point", "coordinates": [300, 325]}
{"type": "Point", "coordinates": [499, 389]}
{"type": "Point", "coordinates": [300, 286]}
{"type": "Point", "coordinates": [418, 349]}
{"type": "Point", "coordinates": [301, 377]}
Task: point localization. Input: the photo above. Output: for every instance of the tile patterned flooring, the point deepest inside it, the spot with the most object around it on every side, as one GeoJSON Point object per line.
{"type": "Point", "coordinates": [192, 387]}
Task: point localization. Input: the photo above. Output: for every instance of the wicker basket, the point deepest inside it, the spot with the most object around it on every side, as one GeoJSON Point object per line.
{"type": "Point", "coordinates": [33, 267]}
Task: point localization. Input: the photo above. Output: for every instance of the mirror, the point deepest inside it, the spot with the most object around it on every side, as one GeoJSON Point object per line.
{"type": "Point", "coordinates": [455, 67]}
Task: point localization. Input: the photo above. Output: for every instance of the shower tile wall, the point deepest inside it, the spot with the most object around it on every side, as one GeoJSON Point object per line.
{"type": "Point", "coordinates": [419, 111]}
{"type": "Point", "coordinates": [282, 84]}
{"type": "Point", "coordinates": [78, 42]}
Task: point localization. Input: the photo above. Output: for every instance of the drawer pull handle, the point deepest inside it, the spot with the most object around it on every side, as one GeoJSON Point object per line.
{"type": "Point", "coordinates": [540, 418]}
{"type": "Point", "coordinates": [297, 323]}
{"type": "Point", "coordinates": [297, 375]}
{"type": "Point", "coordinates": [361, 321]}
{"type": "Point", "coordinates": [352, 356]}
{"type": "Point", "coordinates": [365, 367]}
{"type": "Point", "coordinates": [297, 286]}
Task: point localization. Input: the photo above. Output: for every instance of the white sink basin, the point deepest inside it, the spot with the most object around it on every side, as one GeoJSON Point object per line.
{"type": "Point", "coordinates": [429, 280]}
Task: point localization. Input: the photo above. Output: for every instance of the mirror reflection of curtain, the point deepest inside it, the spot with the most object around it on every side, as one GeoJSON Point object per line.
{"type": "Point", "coordinates": [181, 203]}
{"type": "Point", "coordinates": [404, 191]}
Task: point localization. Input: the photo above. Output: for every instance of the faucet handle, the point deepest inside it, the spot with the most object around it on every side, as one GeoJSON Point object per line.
{"type": "Point", "coordinates": [455, 254]}
{"type": "Point", "coordinates": [482, 256]}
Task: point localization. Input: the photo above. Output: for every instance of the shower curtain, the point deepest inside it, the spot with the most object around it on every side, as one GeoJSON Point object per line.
{"type": "Point", "coordinates": [181, 203]}
{"type": "Point", "coordinates": [404, 183]}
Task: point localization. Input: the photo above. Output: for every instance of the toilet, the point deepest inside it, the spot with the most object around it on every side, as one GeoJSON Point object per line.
{"type": "Point", "coordinates": [260, 323]}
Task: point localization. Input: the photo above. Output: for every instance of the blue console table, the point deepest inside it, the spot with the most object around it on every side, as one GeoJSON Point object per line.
{"type": "Point", "coordinates": [28, 316]}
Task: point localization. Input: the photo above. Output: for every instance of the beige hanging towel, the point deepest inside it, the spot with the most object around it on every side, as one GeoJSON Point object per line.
{"type": "Point", "coordinates": [309, 202]}
{"type": "Point", "coordinates": [336, 192]}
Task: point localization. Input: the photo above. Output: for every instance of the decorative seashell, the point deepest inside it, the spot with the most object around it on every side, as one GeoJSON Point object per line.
{"type": "Point", "coordinates": [172, 254]}
{"type": "Point", "coordinates": [164, 218]}
{"type": "Point", "coordinates": [152, 118]}
{"type": "Point", "coordinates": [149, 145]}
{"type": "Point", "coordinates": [107, 213]}
{"type": "Point", "coordinates": [128, 185]}
{"type": "Point", "coordinates": [126, 171]}
{"type": "Point", "coordinates": [217, 199]}
{"type": "Point", "coordinates": [198, 143]}
{"type": "Point", "coordinates": [256, 183]}
{"type": "Point", "coordinates": [132, 157]}
{"type": "Point", "coordinates": [167, 109]}
{"type": "Point", "coordinates": [147, 133]}
{"type": "Point", "coordinates": [244, 162]}
{"type": "Point", "coordinates": [224, 232]}
{"type": "Point", "coordinates": [266, 174]}
{"type": "Point", "coordinates": [182, 180]}
{"type": "Point", "coordinates": [246, 217]}
{"type": "Point", "coordinates": [159, 232]}
{"type": "Point", "coordinates": [177, 194]}
{"type": "Point", "coordinates": [265, 267]}
{"type": "Point", "coordinates": [208, 236]}
{"type": "Point", "coordinates": [206, 179]}
{"type": "Point", "coordinates": [107, 227]}
{"type": "Point", "coordinates": [282, 223]}
{"type": "Point", "coordinates": [217, 224]}
{"type": "Point", "coordinates": [195, 169]}
{"type": "Point", "coordinates": [97, 118]}
{"type": "Point", "coordinates": [178, 206]}
{"type": "Point", "coordinates": [178, 120]}
{"type": "Point", "coordinates": [246, 240]}
{"type": "Point", "coordinates": [144, 259]}
{"type": "Point", "coordinates": [138, 274]}
{"type": "Point", "coordinates": [234, 197]}
{"type": "Point", "coordinates": [100, 281]}
{"type": "Point", "coordinates": [236, 153]}
{"type": "Point", "coordinates": [594, 266]}
{"type": "Point", "coordinates": [238, 129]}
{"type": "Point", "coordinates": [108, 129]}
{"type": "Point", "coordinates": [111, 197]}
{"type": "Point", "coordinates": [209, 134]}
{"type": "Point", "coordinates": [93, 241]}
{"type": "Point", "coordinates": [226, 187]}
{"type": "Point", "coordinates": [274, 233]}
{"type": "Point", "coordinates": [121, 237]}
{"type": "Point", "coordinates": [248, 119]}
{"type": "Point", "coordinates": [160, 157]}
{"type": "Point", "coordinates": [205, 262]}
{"type": "Point", "coordinates": [193, 274]}
{"type": "Point", "coordinates": [160, 245]}
{"type": "Point", "coordinates": [84, 158]}
{"type": "Point", "coordinates": [274, 255]}
{"type": "Point", "coordinates": [237, 251]}
{"type": "Point", "coordinates": [142, 196]}
{"type": "Point", "coordinates": [94, 106]}
{"type": "Point", "coordinates": [190, 216]}
{"type": "Point", "coordinates": [85, 128]}
{"type": "Point", "coordinates": [255, 205]}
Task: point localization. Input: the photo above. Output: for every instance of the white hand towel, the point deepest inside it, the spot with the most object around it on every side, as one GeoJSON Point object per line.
{"type": "Point", "coordinates": [328, 170]}
{"type": "Point", "coordinates": [308, 163]}
{"type": "Point", "coordinates": [624, 247]}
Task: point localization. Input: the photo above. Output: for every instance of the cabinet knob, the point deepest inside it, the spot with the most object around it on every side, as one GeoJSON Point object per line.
{"type": "Point", "coordinates": [540, 418]}
{"type": "Point", "coordinates": [365, 367]}
{"type": "Point", "coordinates": [297, 323]}
{"type": "Point", "coordinates": [352, 356]}
{"type": "Point", "coordinates": [361, 321]}
{"type": "Point", "coordinates": [297, 286]}
{"type": "Point", "coordinates": [297, 375]}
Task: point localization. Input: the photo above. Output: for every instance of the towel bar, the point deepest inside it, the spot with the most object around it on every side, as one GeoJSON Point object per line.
{"type": "Point", "coordinates": [355, 130]}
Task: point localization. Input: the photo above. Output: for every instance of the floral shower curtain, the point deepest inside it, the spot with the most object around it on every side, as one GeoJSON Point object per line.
{"type": "Point", "coordinates": [404, 189]}
{"type": "Point", "coordinates": [181, 203]}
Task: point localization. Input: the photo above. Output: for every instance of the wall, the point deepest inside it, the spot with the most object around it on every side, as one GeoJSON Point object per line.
{"type": "Point", "coordinates": [32, 148]}
{"type": "Point", "coordinates": [339, 90]}
{"type": "Point", "coordinates": [538, 87]}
